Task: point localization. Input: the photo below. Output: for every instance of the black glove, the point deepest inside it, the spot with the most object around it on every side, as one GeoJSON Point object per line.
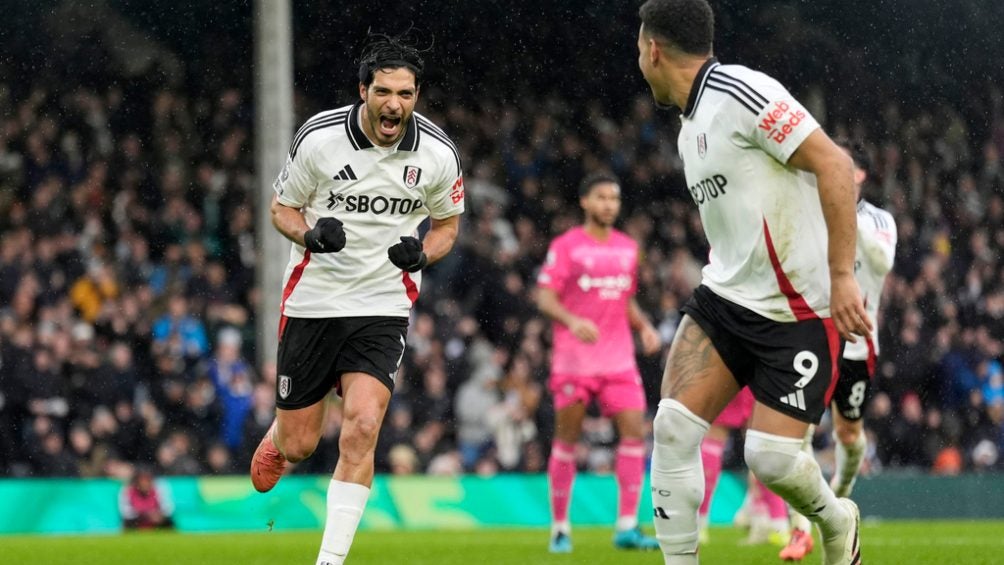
{"type": "Point", "coordinates": [327, 236]}
{"type": "Point", "coordinates": [408, 255]}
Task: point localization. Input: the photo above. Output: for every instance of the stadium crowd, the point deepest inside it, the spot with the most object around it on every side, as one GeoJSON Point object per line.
{"type": "Point", "coordinates": [128, 298]}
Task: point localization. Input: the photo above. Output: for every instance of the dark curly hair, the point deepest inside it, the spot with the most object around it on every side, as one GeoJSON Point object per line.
{"type": "Point", "coordinates": [383, 51]}
{"type": "Point", "coordinates": [688, 25]}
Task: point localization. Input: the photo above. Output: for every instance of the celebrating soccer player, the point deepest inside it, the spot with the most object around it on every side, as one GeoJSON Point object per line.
{"type": "Point", "coordinates": [875, 253]}
{"type": "Point", "coordinates": [357, 183]}
{"type": "Point", "coordinates": [776, 199]}
{"type": "Point", "coordinates": [587, 288]}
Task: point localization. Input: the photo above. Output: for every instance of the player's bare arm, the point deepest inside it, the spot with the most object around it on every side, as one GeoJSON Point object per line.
{"type": "Point", "coordinates": [835, 179]}
{"type": "Point", "coordinates": [440, 238]}
{"type": "Point", "coordinates": [549, 304]}
{"type": "Point", "coordinates": [288, 221]}
{"type": "Point", "coordinates": [650, 340]}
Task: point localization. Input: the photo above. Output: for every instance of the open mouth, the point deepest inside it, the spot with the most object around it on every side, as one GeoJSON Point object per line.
{"type": "Point", "coordinates": [389, 125]}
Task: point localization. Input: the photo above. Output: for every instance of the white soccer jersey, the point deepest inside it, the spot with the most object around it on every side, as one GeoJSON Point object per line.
{"type": "Point", "coordinates": [380, 194]}
{"type": "Point", "coordinates": [762, 218]}
{"type": "Point", "coordinates": [875, 254]}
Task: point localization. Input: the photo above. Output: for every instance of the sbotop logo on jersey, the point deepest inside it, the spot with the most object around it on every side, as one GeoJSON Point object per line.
{"type": "Point", "coordinates": [412, 176]}
{"type": "Point", "coordinates": [366, 204]}
{"type": "Point", "coordinates": [610, 288]}
{"type": "Point", "coordinates": [702, 145]}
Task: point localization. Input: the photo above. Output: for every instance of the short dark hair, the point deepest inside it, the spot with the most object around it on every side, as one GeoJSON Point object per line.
{"type": "Point", "coordinates": [594, 179]}
{"type": "Point", "coordinates": [383, 51]}
{"type": "Point", "coordinates": [688, 25]}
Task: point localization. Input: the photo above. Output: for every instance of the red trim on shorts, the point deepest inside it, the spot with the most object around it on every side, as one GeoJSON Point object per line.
{"type": "Point", "coordinates": [294, 278]}
{"type": "Point", "coordinates": [409, 286]}
{"type": "Point", "coordinates": [871, 359]}
{"type": "Point", "coordinates": [833, 338]}
{"type": "Point", "coordinates": [796, 302]}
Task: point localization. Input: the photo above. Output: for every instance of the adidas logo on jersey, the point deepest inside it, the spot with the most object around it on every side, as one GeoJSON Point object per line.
{"type": "Point", "coordinates": [345, 174]}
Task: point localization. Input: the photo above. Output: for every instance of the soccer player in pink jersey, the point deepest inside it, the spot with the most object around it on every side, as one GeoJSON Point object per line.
{"type": "Point", "coordinates": [587, 288]}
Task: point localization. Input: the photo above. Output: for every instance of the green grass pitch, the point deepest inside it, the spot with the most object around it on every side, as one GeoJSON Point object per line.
{"type": "Point", "coordinates": [908, 543]}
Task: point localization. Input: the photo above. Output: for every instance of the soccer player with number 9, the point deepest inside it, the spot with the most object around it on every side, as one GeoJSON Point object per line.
{"type": "Point", "coordinates": [776, 199]}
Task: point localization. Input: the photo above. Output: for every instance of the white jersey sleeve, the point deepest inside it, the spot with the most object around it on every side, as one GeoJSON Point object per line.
{"type": "Point", "coordinates": [780, 125]}
{"type": "Point", "coordinates": [445, 196]}
{"type": "Point", "coordinates": [876, 250]}
{"type": "Point", "coordinates": [297, 182]}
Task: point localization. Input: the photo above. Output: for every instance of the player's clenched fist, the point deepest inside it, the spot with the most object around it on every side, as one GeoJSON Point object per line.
{"type": "Point", "coordinates": [327, 236]}
{"type": "Point", "coordinates": [408, 255]}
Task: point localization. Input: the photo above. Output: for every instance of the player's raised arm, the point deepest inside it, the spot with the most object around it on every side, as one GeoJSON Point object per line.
{"type": "Point", "coordinates": [835, 179]}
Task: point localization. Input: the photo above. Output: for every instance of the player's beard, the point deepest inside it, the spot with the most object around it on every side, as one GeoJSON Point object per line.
{"type": "Point", "coordinates": [599, 220]}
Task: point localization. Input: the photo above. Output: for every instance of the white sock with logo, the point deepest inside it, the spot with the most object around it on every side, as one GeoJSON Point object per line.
{"type": "Point", "coordinates": [677, 480]}
{"type": "Point", "coordinates": [346, 502]}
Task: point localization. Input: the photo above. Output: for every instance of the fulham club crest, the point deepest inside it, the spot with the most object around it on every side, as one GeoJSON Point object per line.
{"type": "Point", "coordinates": [284, 386]}
{"type": "Point", "coordinates": [702, 145]}
{"type": "Point", "coordinates": [411, 176]}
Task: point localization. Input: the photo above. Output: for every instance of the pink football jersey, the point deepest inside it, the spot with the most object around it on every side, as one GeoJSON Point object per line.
{"type": "Point", "coordinates": [594, 279]}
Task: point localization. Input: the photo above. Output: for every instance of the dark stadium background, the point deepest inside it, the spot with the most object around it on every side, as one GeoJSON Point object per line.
{"type": "Point", "coordinates": [917, 81]}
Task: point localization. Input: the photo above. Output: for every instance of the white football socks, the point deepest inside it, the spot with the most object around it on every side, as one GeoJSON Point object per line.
{"type": "Point", "coordinates": [780, 463]}
{"type": "Point", "coordinates": [848, 462]}
{"type": "Point", "coordinates": [346, 502]}
{"type": "Point", "coordinates": [677, 480]}
{"type": "Point", "coordinates": [799, 522]}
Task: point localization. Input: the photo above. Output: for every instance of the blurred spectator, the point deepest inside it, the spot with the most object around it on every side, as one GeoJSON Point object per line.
{"type": "Point", "coordinates": [145, 503]}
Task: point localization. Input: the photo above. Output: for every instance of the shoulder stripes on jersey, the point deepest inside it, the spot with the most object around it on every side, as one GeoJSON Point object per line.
{"type": "Point", "coordinates": [746, 96]}
{"type": "Point", "coordinates": [434, 132]}
{"type": "Point", "coordinates": [320, 122]}
{"type": "Point", "coordinates": [722, 75]}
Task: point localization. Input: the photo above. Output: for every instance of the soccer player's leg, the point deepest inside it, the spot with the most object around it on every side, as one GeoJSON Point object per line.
{"type": "Point", "coordinates": [292, 437]}
{"type": "Point", "coordinates": [570, 400]}
{"type": "Point", "coordinates": [792, 385]}
{"type": "Point", "coordinates": [848, 429]}
{"type": "Point", "coordinates": [623, 397]}
{"type": "Point", "coordinates": [696, 387]}
{"type": "Point", "coordinates": [307, 351]}
{"type": "Point", "coordinates": [734, 416]}
{"type": "Point", "coordinates": [366, 368]}
{"type": "Point", "coordinates": [801, 543]}
{"type": "Point", "coordinates": [365, 402]}
{"type": "Point", "coordinates": [712, 451]}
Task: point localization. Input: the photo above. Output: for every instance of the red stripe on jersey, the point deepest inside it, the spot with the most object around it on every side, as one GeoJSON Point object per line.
{"type": "Point", "coordinates": [872, 357]}
{"type": "Point", "coordinates": [798, 305]}
{"type": "Point", "coordinates": [294, 278]}
{"type": "Point", "coordinates": [409, 286]}
{"type": "Point", "coordinates": [833, 339]}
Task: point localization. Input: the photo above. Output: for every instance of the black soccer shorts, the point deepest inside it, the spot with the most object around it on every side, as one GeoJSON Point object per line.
{"type": "Point", "coordinates": [853, 388]}
{"type": "Point", "coordinates": [790, 367]}
{"type": "Point", "coordinates": [315, 353]}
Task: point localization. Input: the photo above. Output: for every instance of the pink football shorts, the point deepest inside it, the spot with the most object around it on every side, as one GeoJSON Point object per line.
{"type": "Point", "coordinates": [614, 393]}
